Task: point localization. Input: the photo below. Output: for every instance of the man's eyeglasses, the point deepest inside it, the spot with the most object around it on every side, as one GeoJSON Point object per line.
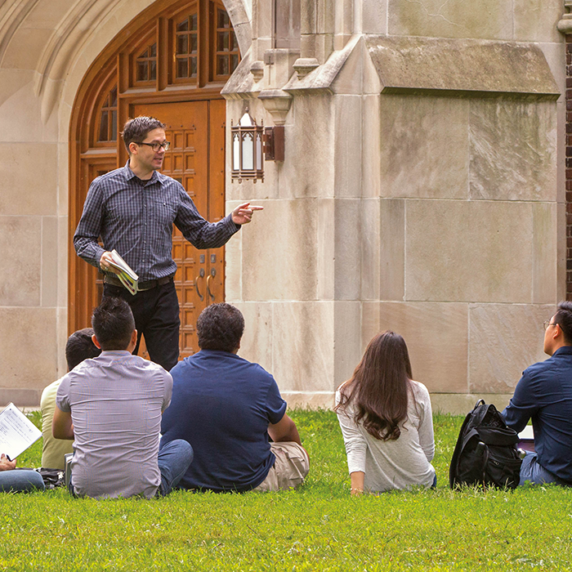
{"type": "Point", "coordinates": [155, 146]}
{"type": "Point", "coordinates": [549, 323]}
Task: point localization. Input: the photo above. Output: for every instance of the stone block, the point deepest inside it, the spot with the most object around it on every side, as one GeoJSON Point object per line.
{"type": "Point", "coordinates": [347, 339]}
{"type": "Point", "coordinates": [62, 277]}
{"type": "Point", "coordinates": [461, 404]}
{"type": "Point", "coordinates": [544, 251]}
{"type": "Point", "coordinates": [279, 254]}
{"type": "Point", "coordinates": [325, 23]}
{"type": "Point", "coordinates": [555, 54]}
{"type": "Point", "coordinates": [370, 249]}
{"type": "Point", "coordinates": [536, 20]}
{"type": "Point", "coordinates": [257, 341]}
{"type": "Point", "coordinates": [308, 16]}
{"type": "Point", "coordinates": [371, 147]}
{"type": "Point", "coordinates": [309, 168]}
{"type": "Point", "coordinates": [392, 249]}
{"type": "Point", "coordinates": [348, 145]}
{"type": "Point", "coordinates": [374, 16]}
{"type": "Point", "coordinates": [347, 275]}
{"type": "Point", "coordinates": [492, 19]}
{"type": "Point", "coordinates": [63, 179]}
{"type": "Point", "coordinates": [504, 340]}
{"type": "Point", "coordinates": [468, 67]}
{"type": "Point", "coordinates": [326, 249]}
{"type": "Point", "coordinates": [436, 336]}
{"type": "Point", "coordinates": [304, 358]}
{"type": "Point", "coordinates": [473, 251]}
{"type": "Point", "coordinates": [262, 19]}
{"type": "Point", "coordinates": [28, 179]}
{"type": "Point", "coordinates": [27, 347]}
{"type": "Point", "coordinates": [512, 150]}
{"type": "Point", "coordinates": [424, 146]}
{"type": "Point", "coordinates": [50, 251]}
{"type": "Point", "coordinates": [26, 48]}
{"type": "Point", "coordinates": [20, 265]}
{"type": "Point", "coordinates": [12, 81]}
{"type": "Point", "coordinates": [62, 338]}
{"type": "Point", "coordinates": [309, 400]}
{"type": "Point", "coordinates": [562, 251]}
{"type": "Point", "coordinates": [233, 261]}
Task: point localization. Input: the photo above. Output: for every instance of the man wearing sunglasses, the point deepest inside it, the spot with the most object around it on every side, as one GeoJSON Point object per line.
{"type": "Point", "coordinates": [133, 210]}
{"type": "Point", "coordinates": [544, 394]}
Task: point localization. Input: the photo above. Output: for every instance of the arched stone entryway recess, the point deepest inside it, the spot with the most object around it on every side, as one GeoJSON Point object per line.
{"type": "Point", "coordinates": [171, 61]}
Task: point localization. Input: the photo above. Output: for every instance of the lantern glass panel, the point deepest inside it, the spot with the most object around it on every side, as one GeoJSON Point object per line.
{"type": "Point", "coordinates": [246, 121]}
{"type": "Point", "coordinates": [235, 152]}
{"type": "Point", "coordinates": [247, 152]}
{"type": "Point", "coordinates": [258, 151]}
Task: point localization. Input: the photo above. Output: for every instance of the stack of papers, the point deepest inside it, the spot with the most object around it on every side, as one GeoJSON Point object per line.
{"type": "Point", "coordinates": [17, 432]}
{"type": "Point", "coordinates": [126, 275]}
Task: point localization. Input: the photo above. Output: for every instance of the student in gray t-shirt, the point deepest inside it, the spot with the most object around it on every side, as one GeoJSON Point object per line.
{"type": "Point", "coordinates": [111, 407]}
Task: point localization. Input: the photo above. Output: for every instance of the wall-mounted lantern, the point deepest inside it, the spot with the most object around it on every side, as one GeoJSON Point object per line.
{"type": "Point", "coordinates": [251, 145]}
{"type": "Point", "coordinates": [247, 152]}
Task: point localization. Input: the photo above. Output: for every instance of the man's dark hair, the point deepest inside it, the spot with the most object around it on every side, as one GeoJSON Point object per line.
{"type": "Point", "coordinates": [113, 323]}
{"type": "Point", "coordinates": [220, 327]}
{"type": "Point", "coordinates": [135, 130]}
{"type": "Point", "coordinates": [80, 347]}
{"type": "Point", "coordinates": [563, 318]}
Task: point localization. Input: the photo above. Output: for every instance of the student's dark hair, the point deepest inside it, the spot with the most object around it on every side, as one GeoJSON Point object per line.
{"type": "Point", "coordinates": [380, 386]}
{"type": "Point", "coordinates": [563, 318]}
{"type": "Point", "coordinates": [135, 130]}
{"type": "Point", "coordinates": [113, 323]}
{"type": "Point", "coordinates": [80, 347]}
{"type": "Point", "coordinates": [220, 327]}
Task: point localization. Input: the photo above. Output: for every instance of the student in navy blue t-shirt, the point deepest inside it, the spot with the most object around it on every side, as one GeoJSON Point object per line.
{"type": "Point", "coordinates": [544, 394]}
{"type": "Point", "coordinates": [228, 409]}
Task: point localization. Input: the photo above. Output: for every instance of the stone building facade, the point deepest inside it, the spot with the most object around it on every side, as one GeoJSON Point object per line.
{"type": "Point", "coordinates": [423, 187]}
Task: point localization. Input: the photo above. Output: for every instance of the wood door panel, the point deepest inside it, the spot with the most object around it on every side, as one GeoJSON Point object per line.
{"type": "Point", "coordinates": [192, 160]}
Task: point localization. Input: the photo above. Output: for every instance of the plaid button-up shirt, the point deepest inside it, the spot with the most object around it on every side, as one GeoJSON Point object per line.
{"type": "Point", "coordinates": [137, 221]}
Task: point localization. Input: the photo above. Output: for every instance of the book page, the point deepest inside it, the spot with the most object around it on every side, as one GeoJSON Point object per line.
{"type": "Point", "coordinates": [17, 432]}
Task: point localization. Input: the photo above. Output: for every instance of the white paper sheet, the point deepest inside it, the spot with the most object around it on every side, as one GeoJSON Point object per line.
{"type": "Point", "coordinates": [17, 432]}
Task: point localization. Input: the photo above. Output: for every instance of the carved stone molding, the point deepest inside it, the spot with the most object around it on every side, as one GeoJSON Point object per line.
{"type": "Point", "coordinates": [565, 24]}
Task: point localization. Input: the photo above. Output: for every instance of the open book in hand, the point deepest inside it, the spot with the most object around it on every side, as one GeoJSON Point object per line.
{"type": "Point", "coordinates": [126, 275]}
{"type": "Point", "coordinates": [17, 432]}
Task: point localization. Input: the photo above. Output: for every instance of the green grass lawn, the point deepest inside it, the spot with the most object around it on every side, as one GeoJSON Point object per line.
{"type": "Point", "coordinates": [319, 527]}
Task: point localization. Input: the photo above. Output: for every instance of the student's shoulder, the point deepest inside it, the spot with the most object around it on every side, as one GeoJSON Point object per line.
{"type": "Point", "coordinates": [420, 392]}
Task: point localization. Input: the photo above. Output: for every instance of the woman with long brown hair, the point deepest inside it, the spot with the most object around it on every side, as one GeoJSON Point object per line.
{"type": "Point", "coordinates": [386, 420]}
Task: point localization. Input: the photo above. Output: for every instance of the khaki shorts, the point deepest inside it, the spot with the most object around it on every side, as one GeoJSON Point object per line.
{"type": "Point", "coordinates": [290, 468]}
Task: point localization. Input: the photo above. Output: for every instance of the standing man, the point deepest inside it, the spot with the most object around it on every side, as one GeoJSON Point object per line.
{"type": "Point", "coordinates": [133, 210]}
{"type": "Point", "coordinates": [544, 394]}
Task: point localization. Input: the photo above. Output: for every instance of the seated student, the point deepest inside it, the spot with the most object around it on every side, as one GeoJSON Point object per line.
{"type": "Point", "coordinates": [79, 347]}
{"type": "Point", "coordinates": [386, 421]}
{"type": "Point", "coordinates": [18, 481]}
{"type": "Point", "coordinates": [544, 394]}
{"type": "Point", "coordinates": [111, 406]}
{"type": "Point", "coordinates": [227, 408]}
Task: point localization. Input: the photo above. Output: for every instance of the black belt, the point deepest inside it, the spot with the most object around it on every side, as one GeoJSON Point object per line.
{"type": "Point", "coordinates": [148, 285]}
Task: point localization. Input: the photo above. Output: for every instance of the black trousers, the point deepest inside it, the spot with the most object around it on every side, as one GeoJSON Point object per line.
{"type": "Point", "coordinates": [156, 314]}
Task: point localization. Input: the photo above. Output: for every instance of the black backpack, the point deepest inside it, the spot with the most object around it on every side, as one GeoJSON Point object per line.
{"type": "Point", "coordinates": [486, 452]}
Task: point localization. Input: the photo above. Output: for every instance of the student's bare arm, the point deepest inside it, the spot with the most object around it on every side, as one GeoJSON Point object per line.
{"type": "Point", "coordinates": [284, 430]}
{"type": "Point", "coordinates": [62, 426]}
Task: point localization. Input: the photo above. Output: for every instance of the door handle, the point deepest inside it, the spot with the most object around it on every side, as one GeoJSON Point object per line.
{"type": "Point", "coordinates": [201, 275]}
{"type": "Point", "coordinates": [211, 275]}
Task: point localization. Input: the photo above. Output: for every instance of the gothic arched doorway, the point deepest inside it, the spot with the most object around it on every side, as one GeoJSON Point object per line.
{"type": "Point", "coordinates": [170, 62]}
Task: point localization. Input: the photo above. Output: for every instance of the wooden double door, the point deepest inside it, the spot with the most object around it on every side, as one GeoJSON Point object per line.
{"type": "Point", "coordinates": [196, 131]}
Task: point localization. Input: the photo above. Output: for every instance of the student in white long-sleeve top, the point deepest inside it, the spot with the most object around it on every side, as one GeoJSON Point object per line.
{"type": "Point", "coordinates": [386, 421]}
